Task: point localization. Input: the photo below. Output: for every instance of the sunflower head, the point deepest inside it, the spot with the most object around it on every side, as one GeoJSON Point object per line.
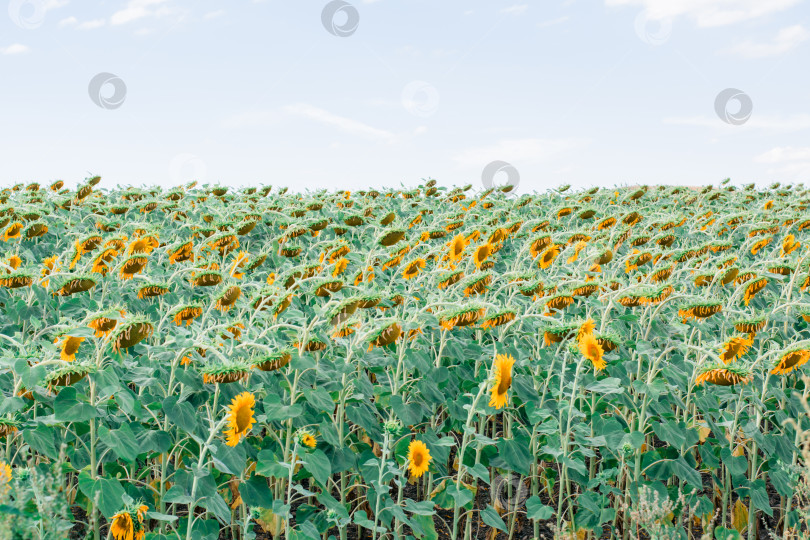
{"type": "Point", "coordinates": [240, 418]}
{"type": "Point", "coordinates": [418, 458]}
{"type": "Point", "coordinates": [501, 380]}
{"type": "Point", "coordinates": [590, 349]}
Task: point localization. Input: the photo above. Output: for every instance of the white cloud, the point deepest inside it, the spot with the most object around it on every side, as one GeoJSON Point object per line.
{"type": "Point", "coordinates": [137, 9]}
{"type": "Point", "coordinates": [764, 122]}
{"type": "Point", "coordinates": [515, 9]}
{"type": "Point", "coordinates": [16, 48]}
{"type": "Point", "coordinates": [90, 25]}
{"type": "Point", "coordinates": [552, 22]}
{"type": "Point", "coordinates": [70, 21]}
{"type": "Point", "coordinates": [708, 13]}
{"type": "Point", "coordinates": [517, 150]}
{"type": "Point", "coordinates": [250, 119]}
{"type": "Point", "coordinates": [787, 162]}
{"type": "Point", "coordinates": [344, 124]}
{"type": "Point", "coordinates": [214, 14]}
{"type": "Point", "coordinates": [781, 154]}
{"type": "Point", "coordinates": [785, 40]}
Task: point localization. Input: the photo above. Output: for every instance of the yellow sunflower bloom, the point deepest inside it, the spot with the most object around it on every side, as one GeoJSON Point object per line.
{"type": "Point", "coordinates": [590, 349]}
{"type": "Point", "coordinates": [240, 418]}
{"type": "Point", "coordinates": [502, 374]}
{"type": "Point", "coordinates": [418, 458]}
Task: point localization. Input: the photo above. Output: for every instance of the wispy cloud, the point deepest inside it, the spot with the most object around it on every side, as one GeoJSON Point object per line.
{"type": "Point", "coordinates": [552, 22]}
{"type": "Point", "coordinates": [787, 161]}
{"type": "Point", "coordinates": [90, 25]}
{"type": "Point", "coordinates": [785, 40]}
{"type": "Point", "coordinates": [515, 9]}
{"type": "Point", "coordinates": [347, 125]}
{"type": "Point", "coordinates": [15, 48]}
{"type": "Point", "coordinates": [708, 13]}
{"type": "Point", "coordinates": [139, 9]}
{"type": "Point", "coordinates": [214, 14]}
{"type": "Point", "coordinates": [517, 150]}
{"type": "Point", "coordinates": [782, 154]}
{"type": "Point", "coordinates": [764, 122]}
{"type": "Point", "coordinates": [251, 119]}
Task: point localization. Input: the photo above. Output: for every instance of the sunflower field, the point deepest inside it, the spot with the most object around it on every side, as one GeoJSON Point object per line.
{"type": "Point", "coordinates": [205, 362]}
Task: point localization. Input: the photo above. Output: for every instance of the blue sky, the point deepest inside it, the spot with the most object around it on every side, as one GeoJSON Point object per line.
{"type": "Point", "coordinates": [598, 92]}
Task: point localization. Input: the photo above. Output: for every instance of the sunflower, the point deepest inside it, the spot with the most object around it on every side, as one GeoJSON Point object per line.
{"type": "Point", "coordinates": [131, 333]}
{"type": "Point", "coordinates": [13, 231]}
{"type": "Point", "coordinates": [586, 328]}
{"type": "Point", "coordinates": [307, 439]}
{"type": "Point", "coordinates": [789, 245]}
{"type": "Point", "coordinates": [724, 375]}
{"type": "Point", "coordinates": [590, 349]}
{"type": "Point", "coordinates": [577, 249]}
{"type": "Point", "coordinates": [481, 254]}
{"type": "Point", "coordinates": [790, 360]}
{"type": "Point", "coordinates": [240, 418]}
{"type": "Point", "coordinates": [502, 380]}
{"type": "Point", "coordinates": [7, 427]}
{"type": "Point", "coordinates": [418, 458]}
{"type": "Point", "coordinates": [133, 265]}
{"type": "Point", "coordinates": [122, 527]}
{"type": "Point", "coordinates": [753, 288]}
{"type": "Point", "coordinates": [539, 244]}
{"type": "Point", "coordinates": [735, 348]}
{"type": "Point", "coordinates": [151, 290]}
{"type": "Point", "coordinates": [760, 244]}
{"type": "Point", "coordinates": [186, 314]}
{"type": "Point", "coordinates": [183, 253]}
{"type": "Point", "coordinates": [6, 475]}
{"type": "Point", "coordinates": [239, 261]}
{"type": "Point", "coordinates": [548, 256]}
{"type": "Point", "coordinates": [68, 346]}
{"type": "Point", "coordinates": [457, 246]}
{"type": "Point", "coordinates": [340, 266]}
{"type": "Point", "coordinates": [412, 269]}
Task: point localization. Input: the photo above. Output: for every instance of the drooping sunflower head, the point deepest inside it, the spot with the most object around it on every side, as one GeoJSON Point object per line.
{"type": "Point", "coordinates": [724, 375]}
{"type": "Point", "coordinates": [240, 418]}
{"type": "Point", "coordinates": [130, 332]}
{"type": "Point", "coordinates": [501, 380]}
{"type": "Point", "coordinates": [412, 268]}
{"type": "Point", "coordinates": [418, 458]}
{"type": "Point", "coordinates": [734, 348]}
{"type": "Point", "coordinates": [481, 254]}
{"type": "Point", "coordinates": [791, 359]}
{"type": "Point", "coordinates": [548, 255]}
{"type": "Point", "coordinates": [186, 314]}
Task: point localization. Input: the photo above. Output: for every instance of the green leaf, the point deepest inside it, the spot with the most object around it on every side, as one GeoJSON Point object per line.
{"type": "Point", "coordinates": [121, 441]}
{"type": "Point", "coordinates": [67, 408]}
{"type": "Point", "coordinates": [41, 440]}
{"type": "Point", "coordinates": [610, 385]}
{"type": "Point", "coordinates": [536, 510]}
{"type": "Point", "coordinates": [228, 459]}
{"type": "Point", "coordinates": [491, 518]}
{"type": "Point", "coordinates": [318, 465]}
{"type": "Point", "coordinates": [180, 414]}
{"type": "Point", "coordinates": [256, 492]}
{"type": "Point", "coordinates": [108, 490]}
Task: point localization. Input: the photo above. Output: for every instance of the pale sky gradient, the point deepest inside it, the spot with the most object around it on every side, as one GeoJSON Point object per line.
{"type": "Point", "coordinates": [587, 92]}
